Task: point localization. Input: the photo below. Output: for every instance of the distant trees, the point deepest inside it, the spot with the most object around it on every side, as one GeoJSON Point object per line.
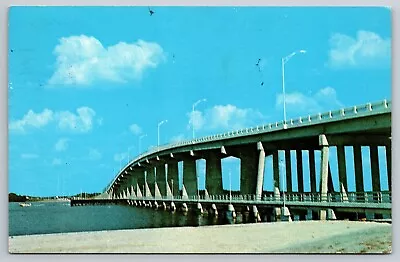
{"type": "Point", "coordinates": [16, 198]}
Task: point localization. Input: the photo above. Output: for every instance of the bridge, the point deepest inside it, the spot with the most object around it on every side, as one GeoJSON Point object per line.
{"type": "Point", "coordinates": [148, 179]}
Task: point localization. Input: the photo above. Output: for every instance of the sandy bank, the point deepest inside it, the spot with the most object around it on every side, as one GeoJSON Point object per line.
{"type": "Point", "coordinates": [294, 237]}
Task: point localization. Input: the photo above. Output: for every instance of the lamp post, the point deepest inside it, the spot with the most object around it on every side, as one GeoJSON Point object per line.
{"type": "Point", "coordinates": [158, 131]}
{"type": "Point", "coordinates": [284, 61]}
{"type": "Point", "coordinates": [193, 106]}
{"type": "Point", "coordinates": [129, 150]}
{"type": "Point", "coordinates": [140, 138]}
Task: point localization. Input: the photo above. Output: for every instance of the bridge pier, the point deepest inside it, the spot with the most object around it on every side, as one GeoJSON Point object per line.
{"type": "Point", "coordinates": [288, 165]}
{"type": "Point", "coordinates": [260, 171]}
{"type": "Point", "coordinates": [173, 177]}
{"type": "Point", "coordinates": [161, 179]}
{"type": "Point", "coordinates": [324, 172]}
{"type": "Point", "coordinates": [214, 174]}
{"type": "Point", "coordinates": [341, 156]}
{"type": "Point", "coordinates": [300, 177]}
{"type": "Point", "coordinates": [190, 176]}
{"type": "Point", "coordinates": [249, 160]}
{"type": "Point", "coordinates": [141, 180]}
{"type": "Point", "coordinates": [150, 180]}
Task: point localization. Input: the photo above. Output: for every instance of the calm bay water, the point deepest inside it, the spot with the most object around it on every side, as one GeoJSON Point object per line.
{"type": "Point", "coordinates": [60, 217]}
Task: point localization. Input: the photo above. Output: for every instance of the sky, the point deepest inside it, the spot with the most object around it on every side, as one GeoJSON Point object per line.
{"type": "Point", "coordinates": [86, 84]}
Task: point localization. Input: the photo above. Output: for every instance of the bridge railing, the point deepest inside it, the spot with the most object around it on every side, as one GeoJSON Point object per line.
{"type": "Point", "coordinates": [352, 197]}
{"type": "Point", "coordinates": [344, 113]}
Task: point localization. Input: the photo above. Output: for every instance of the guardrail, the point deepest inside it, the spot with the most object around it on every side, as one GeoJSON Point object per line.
{"type": "Point", "coordinates": [330, 116]}
{"type": "Point", "coordinates": [351, 197]}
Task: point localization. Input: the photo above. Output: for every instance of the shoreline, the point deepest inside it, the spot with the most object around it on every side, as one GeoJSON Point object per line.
{"type": "Point", "coordinates": [278, 237]}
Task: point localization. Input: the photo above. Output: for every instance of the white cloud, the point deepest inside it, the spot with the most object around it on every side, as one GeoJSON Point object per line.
{"type": "Point", "coordinates": [177, 138]}
{"type": "Point", "coordinates": [296, 102]}
{"type": "Point", "coordinates": [29, 156]}
{"type": "Point", "coordinates": [196, 119]}
{"type": "Point", "coordinates": [56, 162]}
{"type": "Point", "coordinates": [225, 117]}
{"type": "Point", "coordinates": [80, 122]}
{"type": "Point", "coordinates": [135, 129]}
{"type": "Point", "coordinates": [94, 154]}
{"type": "Point", "coordinates": [32, 119]}
{"type": "Point", "coordinates": [368, 49]}
{"type": "Point", "coordinates": [61, 145]}
{"type": "Point", "coordinates": [83, 60]}
{"type": "Point", "coordinates": [120, 156]}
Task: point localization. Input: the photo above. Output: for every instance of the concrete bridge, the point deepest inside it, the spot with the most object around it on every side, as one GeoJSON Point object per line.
{"type": "Point", "coordinates": [148, 179]}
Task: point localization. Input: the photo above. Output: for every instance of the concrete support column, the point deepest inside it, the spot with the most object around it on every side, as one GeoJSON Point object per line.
{"type": "Point", "coordinates": [275, 163]}
{"type": "Point", "coordinates": [300, 179]}
{"type": "Point", "coordinates": [173, 177]}
{"type": "Point", "coordinates": [358, 169]}
{"type": "Point", "coordinates": [324, 171]}
{"type": "Point", "coordinates": [341, 156]}
{"type": "Point", "coordinates": [214, 174]}
{"type": "Point", "coordinates": [389, 165]}
{"type": "Point", "coordinates": [313, 179]}
{"type": "Point", "coordinates": [140, 181]}
{"type": "Point", "coordinates": [376, 182]}
{"type": "Point", "coordinates": [248, 171]}
{"type": "Point", "coordinates": [160, 176]}
{"type": "Point", "coordinates": [133, 183]}
{"type": "Point", "coordinates": [288, 165]}
{"type": "Point", "coordinates": [151, 179]}
{"type": "Point", "coordinates": [190, 176]}
{"type": "Point", "coordinates": [260, 173]}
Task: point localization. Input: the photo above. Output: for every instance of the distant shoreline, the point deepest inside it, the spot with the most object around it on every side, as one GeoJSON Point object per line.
{"type": "Point", "coordinates": [278, 237]}
{"type": "Point", "coordinates": [40, 201]}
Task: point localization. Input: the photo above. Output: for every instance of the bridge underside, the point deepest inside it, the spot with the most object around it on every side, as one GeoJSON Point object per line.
{"type": "Point", "coordinates": [156, 175]}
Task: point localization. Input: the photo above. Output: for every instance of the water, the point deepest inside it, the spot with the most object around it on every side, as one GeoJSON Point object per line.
{"type": "Point", "coordinates": [60, 217]}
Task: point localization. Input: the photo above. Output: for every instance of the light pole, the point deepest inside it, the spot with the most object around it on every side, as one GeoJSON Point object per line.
{"type": "Point", "coordinates": [129, 150]}
{"type": "Point", "coordinates": [140, 138]}
{"type": "Point", "coordinates": [193, 106]}
{"type": "Point", "coordinates": [284, 61]}
{"type": "Point", "coordinates": [158, 131]}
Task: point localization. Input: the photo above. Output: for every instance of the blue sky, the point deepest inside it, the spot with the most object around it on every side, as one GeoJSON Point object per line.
{"type": "Point", "coordinates": [86, 82]}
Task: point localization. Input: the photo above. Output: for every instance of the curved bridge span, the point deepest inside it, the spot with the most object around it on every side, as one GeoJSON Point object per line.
{"type": "Point", "coordinates": [151, 174]}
